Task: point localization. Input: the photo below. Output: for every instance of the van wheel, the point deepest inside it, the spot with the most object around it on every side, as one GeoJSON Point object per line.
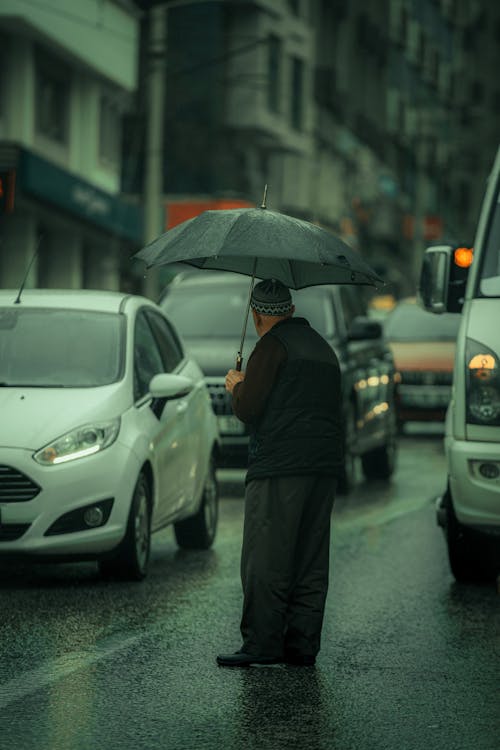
{"type": "Point", "coordinates": [198, 531]}
{"type": "Point", "coordinates": [464, 553]}
{"type": "Point", "coordinates": [380, 462]}
{"type": "Point", "coordinates": [130, 562]}
{"type": "Point", "coordinates": [347, 478]}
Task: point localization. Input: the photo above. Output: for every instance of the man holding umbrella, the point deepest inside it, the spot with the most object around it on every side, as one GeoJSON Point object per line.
{"type": "Point", "coordinates": [290, 396]}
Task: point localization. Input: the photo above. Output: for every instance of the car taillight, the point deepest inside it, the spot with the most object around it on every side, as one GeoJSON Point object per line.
{"type": "Point", "coordinates": [482, 379]}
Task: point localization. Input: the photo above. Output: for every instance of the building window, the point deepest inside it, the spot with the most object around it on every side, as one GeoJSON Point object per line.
{"type": "Point", "coordinates": [52, 97]}
{"type": "Point", "coordinates": [273, 73]}
{"type": "Point", "coordinates": [109, 131]}
{"type": "Point", "coordinates": [4, 55]}
{"type": "Point", "coordinates": [495, 101]}
{"type": "Point", "coordinates": [297, 97]}
{"type": "Point", "coordinates": [476, 92]}
{"type": "Point", "coordinates": [2, 87]}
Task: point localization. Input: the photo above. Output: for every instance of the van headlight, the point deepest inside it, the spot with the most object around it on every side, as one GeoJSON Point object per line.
{"type": "Point", "coordinates": [84, 441]}
{"type": "Point", "coordinates": [482, 379]}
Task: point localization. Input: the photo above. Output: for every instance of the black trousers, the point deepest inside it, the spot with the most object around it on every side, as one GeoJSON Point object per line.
{"type": "Point", "coordinates": [285, 562]}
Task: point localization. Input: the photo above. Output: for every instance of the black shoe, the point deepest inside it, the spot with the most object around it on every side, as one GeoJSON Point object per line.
{"type": "Point", "coordinates": [299, 660]}
{"type": "Point", "coordinates": [241, 659]}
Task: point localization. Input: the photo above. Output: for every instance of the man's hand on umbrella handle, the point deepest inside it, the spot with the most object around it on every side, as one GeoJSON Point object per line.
{"type": "Point", "coordinates": [233, 377]}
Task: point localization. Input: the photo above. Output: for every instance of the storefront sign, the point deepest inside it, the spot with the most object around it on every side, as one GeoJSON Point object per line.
{"type": "Point", "coordinates": [50, 183]}
{"type": "Point", "coordinates": [179, 211]}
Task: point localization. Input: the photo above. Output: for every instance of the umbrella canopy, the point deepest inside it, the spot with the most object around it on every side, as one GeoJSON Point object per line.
{"type": "Point", "coordinates": [261, 243]}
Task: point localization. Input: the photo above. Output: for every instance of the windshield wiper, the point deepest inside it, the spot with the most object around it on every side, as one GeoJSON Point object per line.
{"type": "Point", "coordinates": [34, 385]}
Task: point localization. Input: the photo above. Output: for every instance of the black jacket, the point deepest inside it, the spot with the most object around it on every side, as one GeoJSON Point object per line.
{"type": "Point", "coordinates": [300, 428]}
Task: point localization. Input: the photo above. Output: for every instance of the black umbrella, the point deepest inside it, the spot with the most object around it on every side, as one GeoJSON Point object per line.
{"type": "Point", "coordinates": [263, 244]}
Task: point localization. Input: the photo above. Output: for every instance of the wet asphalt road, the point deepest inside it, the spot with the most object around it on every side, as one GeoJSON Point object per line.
{"type": "Point", "coordinates": [409, 659]}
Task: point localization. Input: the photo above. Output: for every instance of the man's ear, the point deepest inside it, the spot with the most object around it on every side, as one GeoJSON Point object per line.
{"type": "Point", "coordinates": [256, 318]}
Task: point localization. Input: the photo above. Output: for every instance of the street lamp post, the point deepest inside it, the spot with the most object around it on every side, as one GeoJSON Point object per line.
{"type": "Point", "coordinates": [155, 98]}
{"type": "Point", "coordinates": [154, 210]}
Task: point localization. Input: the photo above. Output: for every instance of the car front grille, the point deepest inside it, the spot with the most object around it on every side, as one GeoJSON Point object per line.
{"type": "Point", "coordinates": [426, 377]}
{"type": "Point", "coordinates": [221, 399]}
{"type": "Point", "coordinates": [16, 487]}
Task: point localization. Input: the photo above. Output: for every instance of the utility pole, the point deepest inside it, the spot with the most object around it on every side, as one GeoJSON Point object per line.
{"type": "Point", "coordinates": [420, 209]}
{"type": "Point", "coordinates": [155, 98]}
{"type": "Point", "coordinates": [156, 64]}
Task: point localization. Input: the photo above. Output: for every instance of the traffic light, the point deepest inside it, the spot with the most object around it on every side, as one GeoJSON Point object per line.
{"type": "Point", "coordinates": [7, 191]}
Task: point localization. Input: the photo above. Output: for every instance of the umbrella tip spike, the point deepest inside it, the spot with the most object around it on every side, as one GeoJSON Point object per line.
{"type": "Point", "coordinates": [264, 197]}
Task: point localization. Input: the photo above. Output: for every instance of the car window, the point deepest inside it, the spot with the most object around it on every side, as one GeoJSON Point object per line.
{"type": "Point", "coordinates": [219, 312]}
{"type": "Point", "coordinates": [352, 304]}
{"type": "Point", "coordinates": [490, 270]}
{"type": "Point", "coordinates": [168, 343]}
{"type": "Point", "coordinates": [409, 322]}
{"type": "Point", "coordinates": [147, 358]}
{"type": "Point", "coordinates": [315, 305]}
{"type": "Point", "coordinates": [46, 347]}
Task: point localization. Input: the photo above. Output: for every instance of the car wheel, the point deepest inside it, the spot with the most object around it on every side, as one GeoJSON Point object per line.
{"type": "Point", "coordinates": [131, 560]}
{"type": "Point", "coordinates": [380, 462]}
{"type": "Point", "coordinates": [347, 477]}
{"type": "Point", "coordinates": [465, 555]}
{"type": "Point", "coordinates": [198, 531]}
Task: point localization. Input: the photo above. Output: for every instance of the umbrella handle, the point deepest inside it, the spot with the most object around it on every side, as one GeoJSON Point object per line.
{"type": "Point", "coordinates": [239, 358]}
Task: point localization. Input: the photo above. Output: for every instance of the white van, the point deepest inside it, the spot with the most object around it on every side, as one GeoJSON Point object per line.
{"type": "Point", "coordinates": [467, 281]}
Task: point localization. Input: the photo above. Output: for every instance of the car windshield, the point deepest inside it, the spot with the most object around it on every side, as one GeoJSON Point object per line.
{"type": "Point", "coordinates": [489, 284]}
{"type": "Point", "coordinates": [50, 348]}
{"type": "Point", "coordinates": [218, 312]}
{"type": "Point", "coordinates": [409, 322]}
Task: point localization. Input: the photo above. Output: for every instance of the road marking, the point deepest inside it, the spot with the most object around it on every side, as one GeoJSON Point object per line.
{"type": "Point", "coordinates": [379, 516]}
{"type": "Point", "coordinates": [59, 668]}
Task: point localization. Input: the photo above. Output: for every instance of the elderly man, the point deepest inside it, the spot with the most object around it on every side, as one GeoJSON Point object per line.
{"type": "Point", "coordinates": [290, 397]}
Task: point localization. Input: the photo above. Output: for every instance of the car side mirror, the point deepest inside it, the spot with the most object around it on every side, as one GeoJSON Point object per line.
{"type": "Point", "coordinates": [166, 385]}
{"type": "Point", "coordinates": [364, 328]}
{"type": "Point", "coordinates": [443, 278]}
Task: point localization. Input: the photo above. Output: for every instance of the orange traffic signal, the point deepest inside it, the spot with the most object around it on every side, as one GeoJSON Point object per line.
{"type": "Point", "coordinates": [463, 256]}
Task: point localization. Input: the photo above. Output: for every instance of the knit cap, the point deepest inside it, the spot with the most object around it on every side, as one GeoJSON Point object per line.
{"type": "Point", "coordinates": [271, 297]}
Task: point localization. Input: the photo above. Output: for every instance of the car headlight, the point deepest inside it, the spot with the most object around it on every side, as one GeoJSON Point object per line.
{"type": "Point", "coordinates": [84, 441]}
{"type": "Point", "coordinates": [482, 379]}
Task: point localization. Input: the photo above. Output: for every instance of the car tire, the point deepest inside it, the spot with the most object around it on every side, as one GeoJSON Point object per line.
{"type": "Point", "coordinates": [347, 478]}
{"type": "Point", "coordinates": [380, 463]}
{"type": "Point", "coordinates": [130, 563]}
{"type": "Point", "coordinates": [198, 531]}
{"type": "Point", "coordinates": [466, 556]}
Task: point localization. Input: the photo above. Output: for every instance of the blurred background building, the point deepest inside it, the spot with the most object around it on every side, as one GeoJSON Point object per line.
{"type": "Point", "coordinates": [378, 120]}
{"type": "Point", "coordinates": [67, 72]}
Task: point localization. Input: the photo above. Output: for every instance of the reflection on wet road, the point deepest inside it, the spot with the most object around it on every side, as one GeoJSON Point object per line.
{"type": "Point", "coordinates": [409, 659]}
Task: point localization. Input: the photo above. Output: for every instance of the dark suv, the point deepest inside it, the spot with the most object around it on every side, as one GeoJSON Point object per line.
{"type": "Point", "coordinates": [208, 308]}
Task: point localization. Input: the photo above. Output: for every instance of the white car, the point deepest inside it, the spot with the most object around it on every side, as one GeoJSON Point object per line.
{"type": "Point", "coordinates": [107, 433]}
{"type": "Point", "coordinates": [466, 281]}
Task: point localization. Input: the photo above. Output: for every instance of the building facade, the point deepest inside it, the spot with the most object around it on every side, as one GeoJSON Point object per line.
{"type": "Point", "coordinates": [377, 119]}
{"type": "Point", "coordinates": [67, 71]}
